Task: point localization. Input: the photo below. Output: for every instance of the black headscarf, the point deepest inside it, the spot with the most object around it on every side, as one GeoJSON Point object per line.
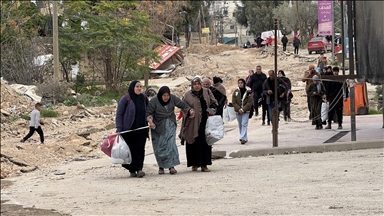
{"type": "Point", "coordinates": [138, 100]}
{"type": "Point", "coordinates": [163, 90]}
{"type": "Point", "coordinates": [242, 90]}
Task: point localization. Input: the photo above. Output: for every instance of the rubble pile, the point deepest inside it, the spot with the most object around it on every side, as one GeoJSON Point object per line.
{"type": "Point", "coordinates": [12, 103]}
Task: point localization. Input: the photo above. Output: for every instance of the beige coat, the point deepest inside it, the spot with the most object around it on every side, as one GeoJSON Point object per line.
{"type": "Point", "coordinates": [190, 127]}
{"type": "Point", "coordinates": [244, 103]}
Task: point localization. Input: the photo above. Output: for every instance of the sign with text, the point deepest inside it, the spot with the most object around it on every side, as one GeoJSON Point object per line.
{"type": "Point", "coordinates": [205, 30]}
{"type": "Point", "coordinates": [324, 15]}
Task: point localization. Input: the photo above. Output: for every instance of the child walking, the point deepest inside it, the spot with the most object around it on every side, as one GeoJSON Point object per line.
{"type": "Point", "coordinates": [34, 124]}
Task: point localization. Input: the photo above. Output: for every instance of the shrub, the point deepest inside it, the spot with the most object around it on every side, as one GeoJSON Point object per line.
{"type": "Point", "coordinates": [26, 117]}
{"type": "Point", "coordinates": [53, 91]}
{"type": "Point", "coordinates": [48, 113]}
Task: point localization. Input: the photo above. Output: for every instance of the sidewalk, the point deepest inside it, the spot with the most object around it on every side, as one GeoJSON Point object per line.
{"type": "Point", "coordinates": [295, 136]}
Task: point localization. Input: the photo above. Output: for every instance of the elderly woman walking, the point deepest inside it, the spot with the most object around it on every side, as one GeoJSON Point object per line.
{"type": "Point", "coordinates": [316, 91]}
{"type": "Point", "coordinates": [162, 121]}
{"type": "Point", "coordinates": [193, 129]}
{"type": "Point", "coordinates": [130, 115]}
{"type": "Point", "coordinates": [242, 102]}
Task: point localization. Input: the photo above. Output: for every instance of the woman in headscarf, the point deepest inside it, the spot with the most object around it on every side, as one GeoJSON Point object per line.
{"type": "Point", "coordinates": [316, 91]}
{"type": "Point", "coordinates": [130, 115]}
{"type": "Point", "coordinates": [242, 102]}
{"type": "Point", "coordinates": [193, 129]}
{"type": "Point", "coordinates": [162, 121]}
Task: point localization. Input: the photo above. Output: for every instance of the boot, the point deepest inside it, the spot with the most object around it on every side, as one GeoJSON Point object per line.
{"type": "Point", "coordinates": [329, 126]}
{"type": "Point", "coordinates": [340, 127]}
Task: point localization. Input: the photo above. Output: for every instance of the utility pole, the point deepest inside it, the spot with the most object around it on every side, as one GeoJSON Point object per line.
{"type": "Point", "coordinates": [333, 31]}
{"type": "Point", "coordinates": [275, 112]}
{"type": "Point", "coordinates": [351, 70]}
{"type": "Point", "coordinates": [200, 26]}
{"type": "Point", "coordinates": [56, 71]}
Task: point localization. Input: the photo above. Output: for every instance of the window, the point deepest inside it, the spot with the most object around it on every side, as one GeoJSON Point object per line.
{"type": "Point", "coordinates": [232, 27]}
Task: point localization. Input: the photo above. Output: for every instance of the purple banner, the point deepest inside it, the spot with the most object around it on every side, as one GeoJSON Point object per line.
{"type": "Point", "coordinates": [324, 14]}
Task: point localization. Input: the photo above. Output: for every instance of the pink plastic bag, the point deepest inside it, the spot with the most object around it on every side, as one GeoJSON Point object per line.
{"type": "Point", "coordinates": [107, 145]}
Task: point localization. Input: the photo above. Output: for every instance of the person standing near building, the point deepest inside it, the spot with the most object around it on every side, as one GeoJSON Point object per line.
{"type": "Point", "coordinates": [284, 40]}
{"type": "Point", "coordinates": [296, 44]}
{"type": "Point", "coordinates": [34, 124]}
{"type": "Point", "coordinates": [336, 95]}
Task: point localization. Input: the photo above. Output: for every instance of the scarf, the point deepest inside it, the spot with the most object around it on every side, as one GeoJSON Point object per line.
{"type": "Point", "coordinates": [163, 90]}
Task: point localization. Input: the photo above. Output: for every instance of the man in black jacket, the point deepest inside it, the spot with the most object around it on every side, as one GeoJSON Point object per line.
{"type": "Point", "coordinates": [269, 88]}
{"type": "Point", "coordinates": [221, 98]}
{"type": "Point", "coordinates": [335, 96]}
{"type": "Point", "coordinates": [256, 83]}
{"type": "Point", "coordinates": [284, 40]}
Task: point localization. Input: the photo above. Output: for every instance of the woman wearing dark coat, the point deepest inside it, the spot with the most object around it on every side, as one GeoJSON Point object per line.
{"type": "Point", "coordinates": [192, 132]}
{"type": "Point", "coordinates": [162, 120]}
{"type": "Point", "coordinates": [130, 115]}
{"type": "Point", "coordinates": [316, 91]}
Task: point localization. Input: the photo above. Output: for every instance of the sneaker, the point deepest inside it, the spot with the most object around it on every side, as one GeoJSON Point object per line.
{"type": "Point", "coordinates": [263, 123]}
{"type": "Point", "coordinates": [205, 169]}
{"type": "Point", "coordinates": [242, 142]}
{"type": "Point", "coordinates": [22, 140]}
{"type": "Point", "coordinates": [140, 174]}
{"type": "Point", "coordinates": [340, 127]}
{"type": "Point", "coordinates": [269, 123]}
{"type": "Point", "coordinates": [194, 168]}
{"type": "Point", "coordinates": [133, 174]}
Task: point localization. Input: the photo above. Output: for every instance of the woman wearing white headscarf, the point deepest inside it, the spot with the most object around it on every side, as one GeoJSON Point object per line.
{"type": "Point", "coordinates": [316, 91]}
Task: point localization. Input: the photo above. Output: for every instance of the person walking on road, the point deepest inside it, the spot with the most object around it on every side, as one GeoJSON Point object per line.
{"type": "Point", "coordinates": [286, 101]}
{"type": "Point", "coordinates": [269, 88]}
{"type": "Point", "coordinates": [256, 84]}
{"type": "Point", "coordinates": [307, 78]}
{"type": "Point", "coordinates": [162, 121]}
{"type": "Point", "coordinates": [242, 103]}
{"type": "Point", "coordinates": [130, 115]}
{"type": "Point", "coordinates": [337, 93]}
{"type": "Point", "coordinates": [296, 44]}
{"type": "Point", "coordinates": [221, 98]}
{"type": "Point", "coordinates": [284, 40]}
{"type": "Point", "coordinates": [34, 124]}
{"type": "Point", "coordinates": [193, 129]}
{"type": "Point", "coordinates": [316, 91]}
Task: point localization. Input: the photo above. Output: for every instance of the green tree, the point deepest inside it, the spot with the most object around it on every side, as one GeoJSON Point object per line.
{"type": "Point", "coordinates": [258, 15]}
{"type": "Point", "coordinates": [114, 32]}
{"type": "Point", "coordinates": [21, 22]}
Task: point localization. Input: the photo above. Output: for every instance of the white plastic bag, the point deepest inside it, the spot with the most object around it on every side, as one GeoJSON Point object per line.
{"type": "Point", "coordinates": [120, 154]}
{"type": "Point", "coordinates": [229, 113]}
{"type": "Point", "coordinates": [324, 111]}
{"type": "Point", "coordinates": [214, 130]}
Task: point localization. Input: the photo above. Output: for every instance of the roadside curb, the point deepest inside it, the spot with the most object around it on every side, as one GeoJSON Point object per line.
{"type": "Point", "coordinates": [343, 146]}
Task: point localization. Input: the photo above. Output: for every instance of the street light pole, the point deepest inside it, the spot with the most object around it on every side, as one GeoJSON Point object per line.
{"type": "Point", "coordinates": [56, 72]}
{"type": "Point", "coordinates": [188, 32]}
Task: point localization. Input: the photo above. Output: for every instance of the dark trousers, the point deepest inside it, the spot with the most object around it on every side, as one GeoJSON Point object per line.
{"type": "Point", "coordinates": [338, 109]}
{"type": "Point", "coordinates": [32, 131]}
{"type": "Point", "coordinates": [264, 106]}
{"type": "Point", "coordinates": [256, 96]}
{"type": "Point", "coordinates": [286, 107]}
{"type": "Point", "coordinates": [296, 51]}
{"type": "Point", "coordinates": [309, 102]}
{"type": "Point", "coordinates": [284, 46]}
{"type": "Point", "coordinates": [136, 143]}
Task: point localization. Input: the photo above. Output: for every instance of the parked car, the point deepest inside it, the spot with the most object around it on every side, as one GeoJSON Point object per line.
{"type": "Point", "coordinates": [319, 44]}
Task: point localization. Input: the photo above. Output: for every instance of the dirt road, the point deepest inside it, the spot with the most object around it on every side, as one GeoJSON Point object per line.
{"type": "Point", "coordinates": [337, 183]}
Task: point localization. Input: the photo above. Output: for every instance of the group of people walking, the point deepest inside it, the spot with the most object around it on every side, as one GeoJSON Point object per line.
{"type": "Point", "coordinates": [331, 91]}
{"type": "Point", "coordinates": [135, 111]}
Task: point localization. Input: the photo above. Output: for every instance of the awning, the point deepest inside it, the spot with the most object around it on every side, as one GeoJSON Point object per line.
{"type": "Point", "coordinates": [165, 52]}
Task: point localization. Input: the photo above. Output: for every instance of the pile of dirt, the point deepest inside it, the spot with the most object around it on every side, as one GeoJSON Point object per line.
{"type": "Point", "coordinates": [202, 49]}
{"type": "Point", "coordinates": [12, 103]}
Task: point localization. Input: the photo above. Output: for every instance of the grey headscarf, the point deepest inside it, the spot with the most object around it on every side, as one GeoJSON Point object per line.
{"type": "Point", "coordinates": [318, 85]}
